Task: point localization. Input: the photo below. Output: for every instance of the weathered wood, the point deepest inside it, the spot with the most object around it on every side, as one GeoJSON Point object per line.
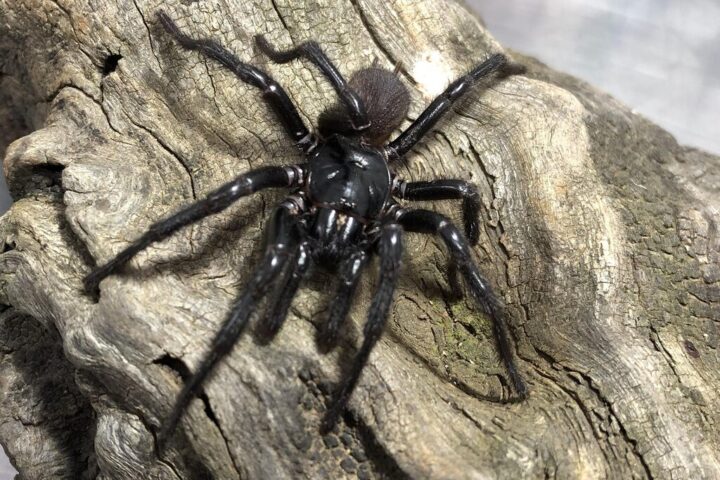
{"type": "Point", "coordinates": [600, 233]}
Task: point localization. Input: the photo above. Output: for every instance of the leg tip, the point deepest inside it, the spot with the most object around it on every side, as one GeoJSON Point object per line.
{"type": "Point", "coordinates": [169, 25]}
{"type": "Point", "coordinates": [262, 43]}
{"type": "Point", "coordinates": [163, 18]}
{"type": "Point", "coordinates": [454, 294]}
{"type": "Point", "coordinates": [518, 385]}
{"type": "Point", "coordinates": [162, 440]}
{"type": "Point", "coordinates": [328, 422]}
{"type": "Point", "coordinates": [164, 434]}
{"type": "Point", "coordinates": [267, 331]}
{"type": "Point", "coordinates": [521, 390]}
{"type": "Point", "coordinates": [91, 284]}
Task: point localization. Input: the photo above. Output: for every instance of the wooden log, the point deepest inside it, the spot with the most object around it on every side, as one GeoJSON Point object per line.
{"type": "Point", "coordinates": [599, 232]}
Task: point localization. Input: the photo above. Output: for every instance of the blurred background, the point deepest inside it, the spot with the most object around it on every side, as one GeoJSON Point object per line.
{"type": "Point", "coordinates": [660, 57]}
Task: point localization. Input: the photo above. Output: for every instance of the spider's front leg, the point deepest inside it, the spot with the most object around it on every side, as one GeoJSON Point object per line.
{"type": "Point", "coordinates": [272, 91]}
{"type": "Point", "coordinates": [438, 107]}
{"type": "Point", "coordinates": [426, 221]}
{"type": "Point", "coordinates": [282, 246]}
{"type": "Point", "coordinates": [389, 248]}
{"type": "Point", "coordinates": [216, 201]}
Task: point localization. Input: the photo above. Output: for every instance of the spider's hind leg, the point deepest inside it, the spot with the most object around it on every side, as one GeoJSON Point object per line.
{"type": "Point", "coordinates": [447, 189]}
{"type": "Point", "coordinates": [282, 238]}
{"type": "Point", "coordinates": [390, 251]}
{"type": "Point", "coordinates": [425, 221]}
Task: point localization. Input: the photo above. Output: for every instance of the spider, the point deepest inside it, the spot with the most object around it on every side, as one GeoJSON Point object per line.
{"type": "Point", "coordinates": [343, 208]}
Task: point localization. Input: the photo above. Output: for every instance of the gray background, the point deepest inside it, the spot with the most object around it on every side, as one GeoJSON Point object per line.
{"type": "Point", "coordinates": [659, 56]}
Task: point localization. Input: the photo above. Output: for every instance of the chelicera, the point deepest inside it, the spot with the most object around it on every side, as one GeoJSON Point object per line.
{"type": "Point", "coordinates": [343, 207]}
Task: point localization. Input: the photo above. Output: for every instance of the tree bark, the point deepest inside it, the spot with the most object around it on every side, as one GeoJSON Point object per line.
{"type": "Point", "coordinates": [599, 232]}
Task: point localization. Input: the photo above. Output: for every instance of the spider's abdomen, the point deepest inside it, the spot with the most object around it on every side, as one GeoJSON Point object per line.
{"type": "Point", "coordinates": [350, 178]}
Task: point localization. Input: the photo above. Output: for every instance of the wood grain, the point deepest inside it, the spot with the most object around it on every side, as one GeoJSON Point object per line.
{"type": "Point", "coordinates": [599, 231]}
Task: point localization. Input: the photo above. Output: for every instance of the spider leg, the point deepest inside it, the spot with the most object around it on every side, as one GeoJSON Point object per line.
{"type": "Point", "coordinates": [425, 221]}
{"type": "Point", "coordinates": [313, 52]}
{"type": "Point", "coordinates": [453, 282]}
{"type": "Point", "coordinates": [350, 272]}
{"type": "Point", "coordinates": [442, 103]}
{"type": "Point", "coordinates": [271, 90]}
{"type": "Point", "coordinates": [216, 201]}
{"type": "Point", "coordinates": [286, 290]}
{"type": "Point", "coordinates": [281, 237]}
{"type": "Point", "coordinates": [389, 247]}
{"type": "Point", "coordinates": [446, 189]}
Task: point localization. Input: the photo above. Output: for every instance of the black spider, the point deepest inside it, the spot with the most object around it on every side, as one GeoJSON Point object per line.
{"type": "Point", "coordinates": [342, 209]}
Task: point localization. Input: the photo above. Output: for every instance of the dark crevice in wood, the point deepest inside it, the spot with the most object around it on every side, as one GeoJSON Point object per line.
{"type": "Point", "coordinates": [183, 163]}
{"type": "Point", "coordinates": [8, 246]}
{"type": "Point", "coordinates": [36, 179]}
{"type": "Point", "coordinates": [111, 63]}
{"type": "Point", "coordinates": [376, 40]}
{"type": "Point", "coordinates": [280, 16]}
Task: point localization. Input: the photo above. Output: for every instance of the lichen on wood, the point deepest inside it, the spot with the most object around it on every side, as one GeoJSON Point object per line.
{"type": "Point", "coordinates": [600, 233]}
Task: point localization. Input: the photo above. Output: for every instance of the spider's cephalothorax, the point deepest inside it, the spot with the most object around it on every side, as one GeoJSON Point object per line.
{"type": "Point", "coordinates": [343, 208]}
